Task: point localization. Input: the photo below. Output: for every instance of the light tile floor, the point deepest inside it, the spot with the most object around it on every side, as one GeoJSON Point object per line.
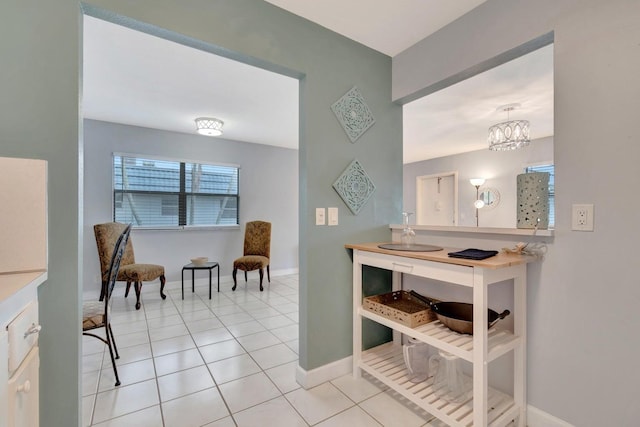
{"type": "Point", "coordinates": [228, 361]}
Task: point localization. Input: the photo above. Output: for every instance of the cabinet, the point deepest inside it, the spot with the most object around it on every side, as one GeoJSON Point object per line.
{"type": "Point", "coordinates": [19, 382]}
{"type": "Point", "coordinates": [487, 407]}
{"type": "Point", "coordinates": [23, 267]}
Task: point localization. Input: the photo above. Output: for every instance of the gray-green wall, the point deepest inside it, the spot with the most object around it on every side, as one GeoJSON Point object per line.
{"type": "Point", "coordinates": [40, 117]}
{"type": "Point", "coordinates": [583, 304]}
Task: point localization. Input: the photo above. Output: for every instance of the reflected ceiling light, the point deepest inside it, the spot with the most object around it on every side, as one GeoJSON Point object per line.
{"type": "Point", "coordinates": [509, 135]}
{"type": "Point", "coordinates": [209, 126]}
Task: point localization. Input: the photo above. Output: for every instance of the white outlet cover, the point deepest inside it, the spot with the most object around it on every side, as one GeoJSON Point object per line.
{"type": "Point", "coordinates": [582, 217]}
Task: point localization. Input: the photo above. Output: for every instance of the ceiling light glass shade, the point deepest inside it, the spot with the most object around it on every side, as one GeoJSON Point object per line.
{"type": "Point", "coordinates": [478, 204]}
{"type": "Point", "coordinates": [209, 126]}
{"type": "Point", "coordinates": [509, 135]}
{"type": "Point", "coordinates": [476, 182]}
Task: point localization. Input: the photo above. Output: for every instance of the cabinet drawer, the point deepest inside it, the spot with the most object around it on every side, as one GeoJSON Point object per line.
{"type": "Point", "coordinates": [24, 393]}
{"type": "Point", "coordinates": [23, 335]}
{"type": "Point", "coordinates": [459, 274]}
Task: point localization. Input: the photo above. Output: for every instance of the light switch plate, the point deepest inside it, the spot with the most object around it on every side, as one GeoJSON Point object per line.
{"type": "Point", "coordinates": [333, 216]}
{"type": "Point", "coordinates": [320, 216]}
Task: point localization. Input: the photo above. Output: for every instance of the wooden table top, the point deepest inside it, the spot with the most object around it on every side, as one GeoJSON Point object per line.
{"type": "Point", "coordinates": [501, 260]}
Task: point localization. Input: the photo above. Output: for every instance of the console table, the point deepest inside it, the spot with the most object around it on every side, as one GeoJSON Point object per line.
{"type": "Point", "coordinates": [487, 407]}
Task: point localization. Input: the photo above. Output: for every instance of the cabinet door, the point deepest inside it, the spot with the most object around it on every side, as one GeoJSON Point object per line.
{"type": "Point", "coordinates": [23, 393]}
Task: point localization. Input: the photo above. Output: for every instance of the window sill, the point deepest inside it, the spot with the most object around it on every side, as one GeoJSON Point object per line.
{"type": "Point", "coordinates": [189, 228]}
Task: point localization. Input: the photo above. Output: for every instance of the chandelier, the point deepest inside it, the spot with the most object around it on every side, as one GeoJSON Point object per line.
{"type": "Point", "coordinates": [509, 135]}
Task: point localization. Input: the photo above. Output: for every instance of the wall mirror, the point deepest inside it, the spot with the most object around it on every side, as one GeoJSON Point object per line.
{"type": "Point", "coordinates": [447, 131]}
{"type": "Point", "coordinates": [490, 197]}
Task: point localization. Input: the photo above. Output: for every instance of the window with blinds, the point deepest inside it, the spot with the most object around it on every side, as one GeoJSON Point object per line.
{"type": "Point", "coordinates": [552, 206]}
{"type": "Point", "coordinates": [165, 193]}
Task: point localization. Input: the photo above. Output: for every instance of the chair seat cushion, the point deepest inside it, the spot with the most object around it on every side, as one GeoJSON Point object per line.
{"type": "Point", "coordinates": [250, 262]}
{"type": "Point", "coordinates": [92, 315]}
{"type": "Point", "coordinates": [140, 272]}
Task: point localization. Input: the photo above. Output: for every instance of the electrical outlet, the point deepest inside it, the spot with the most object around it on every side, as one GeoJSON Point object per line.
{"type": "Point", "coordinates": [582, 217]}
{"type": "Point", "coordinates": [320, 216]}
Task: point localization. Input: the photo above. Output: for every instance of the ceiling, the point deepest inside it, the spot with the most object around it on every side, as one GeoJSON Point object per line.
{"type": "Point", "coordinates": [456, 119]}
{"type": "Point", "coordinates": [134, 78]}
{"type": "Point", "coordinates": [386, 26]}
{"type": "Point", "coordinates": [137, 79]}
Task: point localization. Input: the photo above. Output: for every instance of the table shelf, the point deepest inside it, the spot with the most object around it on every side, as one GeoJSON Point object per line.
{"type": "Point", "coordinates": [438, 335]}
{"type": "Point", "coordinates": [386, 363]}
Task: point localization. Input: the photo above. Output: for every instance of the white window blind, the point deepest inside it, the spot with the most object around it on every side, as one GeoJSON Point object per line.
{"type": "Point", "coordinates": [160, 193]}
{"type": "Point", "coordinates": [552, 206]}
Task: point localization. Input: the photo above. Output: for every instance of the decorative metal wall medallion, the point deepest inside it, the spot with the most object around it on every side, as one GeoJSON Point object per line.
{"type": "Point", "coordinates": [354, 186]}
{"type": "Point", "coordinates": [353, 114]}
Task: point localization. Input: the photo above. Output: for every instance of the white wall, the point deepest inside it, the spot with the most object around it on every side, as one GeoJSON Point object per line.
{"type": "Point", "coordinates": [584, 296]}
{"type": "Point", "coordinates": [268, 191]}
{"type": "Point", "coordinates": [499, 168]}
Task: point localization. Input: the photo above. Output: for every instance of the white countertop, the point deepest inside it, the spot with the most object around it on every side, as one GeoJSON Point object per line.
{"type": "Point", "coordinates": [17, 290]}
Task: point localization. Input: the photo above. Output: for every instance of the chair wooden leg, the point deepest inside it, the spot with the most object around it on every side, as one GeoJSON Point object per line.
{"type": "Point", "coordinates": [235, 283]}
{"type": "Point", "coordinates": [126, 292]}
{"type": "Point", "coordinates": [268, 274]}
{"type": "Point", "coordinates": [162, 283]}
{"type": "Point", "coordinates": [138, 288]}
{"type": "Point", "coordinates": [261, 276]}
{"type": "Point", "coordinates": [245, 275]}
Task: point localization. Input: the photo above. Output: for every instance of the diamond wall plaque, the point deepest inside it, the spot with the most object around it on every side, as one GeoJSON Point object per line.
{"type": "Point", "coordinates": [354, 186]}
{"type": "Point", "coordinates": [353, 114]}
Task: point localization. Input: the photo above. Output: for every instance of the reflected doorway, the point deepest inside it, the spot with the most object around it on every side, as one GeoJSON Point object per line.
{"type": "Point", "coordinates": [437, 199]}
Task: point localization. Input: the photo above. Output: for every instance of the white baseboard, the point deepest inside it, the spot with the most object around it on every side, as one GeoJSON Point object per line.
{"type": "Point", "coordinates": [204, 280]}
{"type": "Point", "coordinates": [322, 374]}
{"type": "Point", "coordinates": [284, 272]}
{"type": "Point", "coordinates": [538, 418]}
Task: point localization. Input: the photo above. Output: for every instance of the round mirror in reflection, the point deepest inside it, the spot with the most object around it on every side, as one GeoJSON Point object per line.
{"type": "Point", "coordinates": [490, 197]}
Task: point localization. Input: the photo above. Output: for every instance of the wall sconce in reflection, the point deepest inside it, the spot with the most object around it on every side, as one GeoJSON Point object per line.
{"type": "Point", "coordinates": [479, 203]}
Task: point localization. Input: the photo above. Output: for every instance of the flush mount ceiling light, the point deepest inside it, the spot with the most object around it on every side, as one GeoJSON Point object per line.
{"type": "Point", "coordinates": [509, 135]}
{"type": "Point", "coordinates": [209, 126]}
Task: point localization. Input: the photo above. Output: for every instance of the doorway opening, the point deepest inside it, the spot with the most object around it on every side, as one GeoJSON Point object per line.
{"type": "Point", "coordinates": [437, 199]}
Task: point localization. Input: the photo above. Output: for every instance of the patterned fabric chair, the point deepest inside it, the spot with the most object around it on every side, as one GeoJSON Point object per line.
{"type": "Point", "coordinates": [96, 314]}
{"type": "Point", "coordinates": [257, 250]}
{"type": "Point", "coordinates": [130, 271]}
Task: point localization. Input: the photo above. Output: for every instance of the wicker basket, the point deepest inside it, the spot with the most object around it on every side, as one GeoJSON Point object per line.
{"type": "Point", "coordinates": [400, 307]}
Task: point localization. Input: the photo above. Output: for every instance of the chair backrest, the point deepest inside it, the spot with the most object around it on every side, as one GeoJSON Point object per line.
{"type": "Point", "coordinates": [257, 238]}
{"type": "Point", "coordinates": [106, 237]}
{"type": "Point", "coordinates": [117, 256]}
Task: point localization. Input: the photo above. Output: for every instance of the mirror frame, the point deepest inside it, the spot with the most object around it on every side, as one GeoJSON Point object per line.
{"type": "Point", "coordinates": [489, 192]}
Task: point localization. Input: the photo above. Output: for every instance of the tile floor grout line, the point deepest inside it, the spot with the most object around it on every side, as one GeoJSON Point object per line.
{"type": "Point", "coordinates": [215, 382]}
{"type": "Point", "coordinates": [238, 304]}
{"type": "Point", "coordinates": [153, 361]}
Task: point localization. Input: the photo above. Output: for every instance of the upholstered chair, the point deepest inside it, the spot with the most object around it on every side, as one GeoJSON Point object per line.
{"type": "Point", "coordinates": [257, 251]}
{"type": "Point", "coordinates": [96, 314]}
{"type": "Point", "coordinates": [130, 271]}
